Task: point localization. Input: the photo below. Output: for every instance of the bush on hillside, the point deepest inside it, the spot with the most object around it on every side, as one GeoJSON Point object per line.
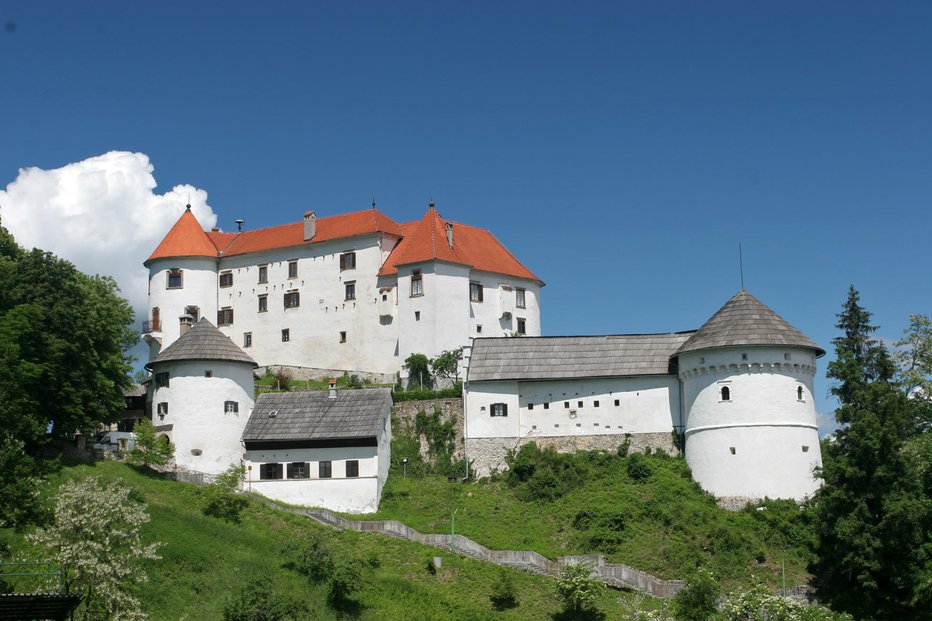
{"type": "Point", "coordinates": [220, 499]}
{"type": "Point", "coordinates": [504, 594]}
{"type": "Point", "coordinates": [698, 600]}
{"type": "Point", "coordinates": [259, 601]}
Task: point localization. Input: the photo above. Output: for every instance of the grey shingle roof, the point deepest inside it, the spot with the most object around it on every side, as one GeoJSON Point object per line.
{"type": "Point", "coordinates": [203, 342]}
{"type": "Point", "coordinates": [315, 416]}
{"type": "Point", "coordinates": [553, 357]}
{"type": "Point", "coordinates": [745, 320]}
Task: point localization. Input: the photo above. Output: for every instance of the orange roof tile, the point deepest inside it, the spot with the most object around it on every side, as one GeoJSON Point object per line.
{"type": "Point", "coordinates": [426, 240]}
{"type": "Point", "coordinates": [185, 239]}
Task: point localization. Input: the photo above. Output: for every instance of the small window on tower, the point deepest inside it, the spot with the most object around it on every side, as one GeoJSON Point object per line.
{"type": "Point", "coordinates": [350, 290]}
{"type": "Point", "coordinates": [348, 261]}
{"type": "Point", "coordinates": [286, 335]}
{"type": "Point", "coordinates": [292, 269]}
{"type": "Point", "coordinates": [247, 339]}
{"type": "Point", "coordinates": [342, 337]}
{"type": "Point", "coordinates": [225, 317]}
{"type": "Point", "coordinates": [263, 303]}
{"type": "Point", "coordinates": [726, 393]}
{"type": "Point", "coordinates": [519, 298]}
{"type": "Point", "coordinates": [226, 279]}
{"type": "Point", "coordinates": [417, 285]}
{"type": "Point", "coordinates": [175, 279]}
{"type": "Point", "coordinates": [546, 406]}
{"type": "Point", "coordinates": [479, 329]}
{"type": "Point", "coordinates": [162, 409]}
{"type": "Point", "coordinates": [522, 326]}
{"type": "Point", "coordinates": [292, 299]}
{"type": "Point", "coordinates": [231, 407]}
{"type": "Point", "coordinates": [475, 292]}
{"type": "Point", "coordinates": [799, 393]}
{"type": "Point", "coordinates": [263, 274]}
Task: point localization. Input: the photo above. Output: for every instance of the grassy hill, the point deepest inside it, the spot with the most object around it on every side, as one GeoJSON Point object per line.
{"type": "Point", "coordinates": [206, 561]}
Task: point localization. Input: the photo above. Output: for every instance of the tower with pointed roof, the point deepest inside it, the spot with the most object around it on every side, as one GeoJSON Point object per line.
{"type": "Point", "coordinates": [352, 293]}
{"type": "Point", "coordinates": [750, 419]}
{"type": "Point", "coordinates": [202, 396]}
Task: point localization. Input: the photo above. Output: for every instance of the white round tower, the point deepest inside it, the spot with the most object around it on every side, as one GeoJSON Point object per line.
{"type": "Point", "coordinates": [202, 395]}
{"type": "Point", "coordinates": [182, 281]}
{"type": "Point", "coordinates": [750, 426]}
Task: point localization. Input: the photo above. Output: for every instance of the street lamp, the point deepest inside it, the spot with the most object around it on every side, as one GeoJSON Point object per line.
{"type": "Point", "coordinates": [404, 467]}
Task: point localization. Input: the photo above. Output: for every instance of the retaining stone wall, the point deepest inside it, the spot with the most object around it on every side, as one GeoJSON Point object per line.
{"type": "Point", "coordinates": [451, 408]}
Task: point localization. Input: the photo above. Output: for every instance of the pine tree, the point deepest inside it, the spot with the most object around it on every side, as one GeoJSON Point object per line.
{"type": "Point", "coordinates": [870, 511]}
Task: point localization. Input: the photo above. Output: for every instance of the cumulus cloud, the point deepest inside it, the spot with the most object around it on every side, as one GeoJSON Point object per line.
{"type": "Point", "coordinates": [102, 214]}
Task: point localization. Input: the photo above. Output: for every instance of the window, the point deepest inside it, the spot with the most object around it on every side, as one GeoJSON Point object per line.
{"type": "Point", "coordinates": [744, 356]}
{"type": "Point", "coordinates": [350, 290]}
{"type": "Point", "coordinates": [352, 468]}
{"type": "Point", "coordinates": [566, 405]}
{"type": "Point", "coordinates": [208, 373]}
{"type": "Point", "coordinates": [247, 339]}
{"type": "Point", "coordinates": [299, 470]}
{"type": "Point", "coordinates": [595, 404]}
{"type": "Point", "coordinates": [417, 315]}
{"type": "Point", "coordinates": [270, 471]}
{"type": "Point", "coordinates": [263, 274]}
{"type": "Point", "coordinates": [342, 337]}
{"type": "Point", "coordinates": [726, 393]}
{"type": "Point", "coordinates": [475, 292]}
{"type": "Point", "coordinates": [324, 470]}
{"type": "Point", "coordinates": [293, 299]}
{"type": "Point", "coordinates": [161, 380]}
{"type": "Point", "coordinates": [799, 393]}
{"type": "Point", "coordinates": [617, 402]}
{"type": "Point", "coordinates": [194, 311]}
{"type": "Point", "coordinates": [263, 303]}
{"type": "Point", "coordinates": [530, 406]}
{"type": "Point", "coordinates": [579, 404]}
{"type": "Point", "coordinates": [231, 407]}
{"type": "Point", "coordinates": [162, 409]}
{"type": "Point", "coordinates": [226, 279]}
{"type": "Point", "coordinates": [175, 279]}
{"type": "Point", "coordinates": [479, 329]}
{"type": "Point", "coordinates": [519, 298]}
{"type": "Point", "coordinates": [348, 261]}
{"type": "Point", "coordinates": [546, 406]}
{"type": "Point", "coordinates": [786, 356]}
{"type": "Point", "coordinates": [522, 327]}
{"type": "Point", "coordinates": [292, 269]}
{"type": "Point", "coordinates": [417, 285]}
{"type": "Point", "coordinates": [225, 317]}
{"type": "Point", "coordinates": [499, 409]}
{"type": "Point", "coordinates": [286, 335]}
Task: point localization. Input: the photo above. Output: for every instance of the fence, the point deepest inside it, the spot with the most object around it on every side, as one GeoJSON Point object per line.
{"type": "Point", "coordinates": [619, 576]}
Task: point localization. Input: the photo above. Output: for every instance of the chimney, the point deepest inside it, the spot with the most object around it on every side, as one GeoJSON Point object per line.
{"type": "Point", "coordinates": [185, 323]}
{"type": "Point", "coordinates": [450, 234]}
{"type": "Point", "coordinates": [310, 225]}
{"type": "Point", "coordinates": [333, 389]}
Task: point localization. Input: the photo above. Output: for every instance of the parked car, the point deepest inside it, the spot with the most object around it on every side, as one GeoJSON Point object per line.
{"type": "Point", "coordinates": [116, 441]}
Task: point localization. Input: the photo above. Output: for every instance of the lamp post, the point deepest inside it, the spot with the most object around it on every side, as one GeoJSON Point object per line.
{"type": "Point", "coordinates": [404, 467]}
{"type": "Point", "coordinates": [453, 531]}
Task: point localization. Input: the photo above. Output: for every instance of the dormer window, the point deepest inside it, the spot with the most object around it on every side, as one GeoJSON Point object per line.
{"type": "Point", "coordinates": [175, 279]}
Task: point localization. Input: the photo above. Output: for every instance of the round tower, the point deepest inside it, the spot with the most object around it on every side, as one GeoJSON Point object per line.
{"type": "Point", "coordinates": [750, 426]}
{"type": "Point", "coordinates": [202, 395]}
{"type": "Point", "coordinates": [182, 281]}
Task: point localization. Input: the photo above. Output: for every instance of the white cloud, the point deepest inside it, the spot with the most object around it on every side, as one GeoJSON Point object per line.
{"type": "Point", "coordinates": [101, 214]}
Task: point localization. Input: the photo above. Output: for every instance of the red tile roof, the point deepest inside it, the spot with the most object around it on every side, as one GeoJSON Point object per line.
{"type": "Point", "coordinates": [423, 240]}
{"type": "Point", "coordinates": [185, 239]}
{"type": "Point", "coordinates": [426, 240]}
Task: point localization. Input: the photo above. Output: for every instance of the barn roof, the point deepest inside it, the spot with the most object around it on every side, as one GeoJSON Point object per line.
{"type": "Point", "coordinates": [745, 320]}
{"type": "Point", "coordinates": [313, 415]}
{"type": "Point", "coordinates": [554, 357]}
{"type": "Point", "coordinates": [203, 342]}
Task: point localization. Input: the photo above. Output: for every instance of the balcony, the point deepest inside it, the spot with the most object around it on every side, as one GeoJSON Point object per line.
{"type": "Point", "coordinates": [148, 327]}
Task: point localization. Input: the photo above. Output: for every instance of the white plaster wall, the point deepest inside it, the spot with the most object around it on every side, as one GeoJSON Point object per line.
{"type": "Point", "coordinates": [499, 297]}
{"type": "Point", "coordinates": [355, 495]}
{"type": "Point", "coordinates": [323, 313]}
{"type": "Point", "coordinates": [646, 404]}
{"type": "Point", "coordinates": [199, 289]}
{"type": "Point", "coordinates": [763, 420]}
{"type": "Point", "coordinates": [196, 411]}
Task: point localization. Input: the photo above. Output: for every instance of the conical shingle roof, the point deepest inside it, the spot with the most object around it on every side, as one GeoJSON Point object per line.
{"type": "Point", "coordinates": [745, 320]}
{"type": "Point", "coordinates": [185, 239]}
{"type": "Point", "coordinates": [203, 342]}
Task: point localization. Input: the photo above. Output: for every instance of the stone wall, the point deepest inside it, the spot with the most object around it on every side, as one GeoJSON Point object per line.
{"type": "Point", "coordinates": [488, 454]}
{"type": "Point", "coordinates": [310, 373]}
{"type": "Point", "coordinates": [450, 409]}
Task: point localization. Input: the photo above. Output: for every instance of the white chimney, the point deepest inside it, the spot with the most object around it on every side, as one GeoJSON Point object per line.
{"type": "Point", "coordinates": [310, 225]}
{"type": "Point", "coordinates": [184, 324]}
{"type": "Point", "coordinates": [450, 234]}
{"type": "Point", "coordinates": [333, 389]}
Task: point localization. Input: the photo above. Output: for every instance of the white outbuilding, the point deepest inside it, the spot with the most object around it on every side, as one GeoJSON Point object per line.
{"type": "Point", "coordinates": [321, 449]}
{"type": "Point", "coordinates": [202, 395]}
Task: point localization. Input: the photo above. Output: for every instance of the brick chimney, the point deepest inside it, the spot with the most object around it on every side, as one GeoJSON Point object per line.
{"type": "Point", "coordinates": [333, 389]}
{"type": "Point", "coordinates": [184, 324]}
{"type": "Point", "coordinates": [310, 225]}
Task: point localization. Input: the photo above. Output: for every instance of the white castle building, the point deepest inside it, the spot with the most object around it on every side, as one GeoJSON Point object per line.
{"type": "Point", "coordinates": [356, 292]}
{"type": "Point", "coordinates": [359, 293]}
{"type": "Point", "coordinates": [738, 390]}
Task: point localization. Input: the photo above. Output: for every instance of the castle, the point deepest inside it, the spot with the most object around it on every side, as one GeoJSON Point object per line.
{"type": "Point", "coordinates": [359, 293]}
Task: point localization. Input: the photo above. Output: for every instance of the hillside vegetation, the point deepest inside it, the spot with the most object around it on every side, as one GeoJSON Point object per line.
{"type": "Point", "coordinates": [641, 510]}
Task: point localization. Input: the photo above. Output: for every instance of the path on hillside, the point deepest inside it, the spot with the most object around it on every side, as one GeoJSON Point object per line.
{"type": "Point", "coordinates": [618, 576]}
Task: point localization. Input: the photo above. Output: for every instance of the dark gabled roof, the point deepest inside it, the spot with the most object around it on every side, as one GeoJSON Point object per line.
{"type": "Point", "coordinates": [745, 320]}
{"type": "Point", "coordinates": [27, 606]}
{"type": "Point", "coordinates": [554, 357]}
{"type": "Point", "coordinates": [203, 342]}
{"type": "Point", "coordinates": [315, 416]}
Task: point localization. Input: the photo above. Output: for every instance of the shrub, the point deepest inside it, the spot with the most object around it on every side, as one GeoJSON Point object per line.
{"type": "Point", "coordinates": [150, 449]}
{"type": "Point", "coordinates": [638, 468]}
{"type": "Point", "coordinates": [312, 557]}
{"type": "Point", "coordinates": [697, 601]}
{"type": "Point", "coordinates": [220, 498]}
{"type": "Point", "coordinates": [504, 595]}
{"type": "Point", "coordinates": [418, 368]}
{"type": "Point", "coordinates": [282, 379]}
{"type": "Point", "coordinates": [578, 590]}
{"type": "Point", "coordinates": [258, 601]}
{"type": "Point", "coordinates": [346, 578]}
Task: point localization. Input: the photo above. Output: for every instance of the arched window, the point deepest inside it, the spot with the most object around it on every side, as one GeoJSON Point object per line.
{"type": "Point", "coordinates": [799, 393]}
{"type": "Point", "coordinates": [726, 393]}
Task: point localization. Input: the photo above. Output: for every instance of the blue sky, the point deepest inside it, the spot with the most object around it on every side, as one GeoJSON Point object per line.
{"type": "Point", "coordinates": [620, 150]}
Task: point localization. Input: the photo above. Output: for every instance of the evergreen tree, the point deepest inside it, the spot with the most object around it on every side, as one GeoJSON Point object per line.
{"type": "Point", "coordinates": [870, 512]}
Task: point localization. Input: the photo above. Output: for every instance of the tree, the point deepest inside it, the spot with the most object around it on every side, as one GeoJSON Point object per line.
{"type": "Point", "coordinates": [914, 361]}
{"type": "Point", "coordinates": [504, 594]}
{"type": "Point", "coordinates": [258, 601]}
{"type": "Point", "coordinates": [760, 605]}
{"type": "Point", "coordinates": [220, 498]}
{"type": "Point", "coordinates": [698, 600]}
{"type": "Point", "coordinates": [579, 591]}
{"type": "Point", "coordinates": [151, 449]}
{"type": "Point", "coordinates": [871, 514]}
{"type": "Point", "coordinates": [418, 368]}
{"type": "Point", "coordinates": [19, 485]}
{"type": "Point", "coordinates": [447, 365]}
{"type": "Point", "coordinates": [95, 541]}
